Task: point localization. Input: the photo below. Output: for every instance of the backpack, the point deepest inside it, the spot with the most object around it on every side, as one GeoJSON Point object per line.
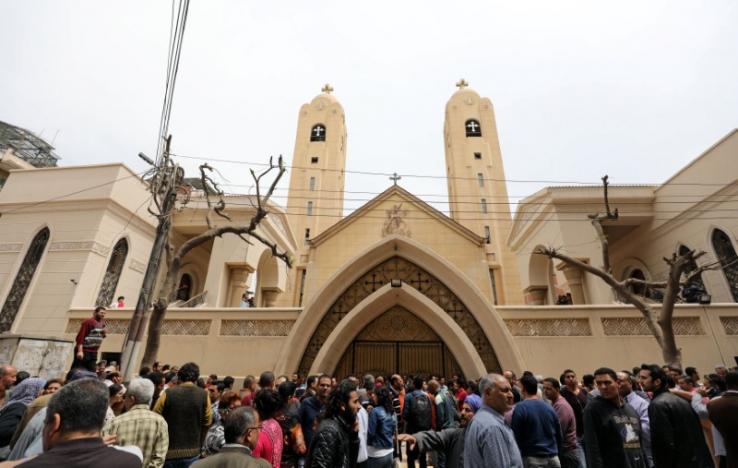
{"type": "Point", "coordinates": [420, 414]}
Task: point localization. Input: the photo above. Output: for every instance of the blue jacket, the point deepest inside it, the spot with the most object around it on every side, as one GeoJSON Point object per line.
{"type": "Point", "coordinates": [381, 428]}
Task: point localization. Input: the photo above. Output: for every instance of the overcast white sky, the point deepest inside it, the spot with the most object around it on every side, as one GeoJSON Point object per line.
{"type": "Point", "coordinates": [634, 89]}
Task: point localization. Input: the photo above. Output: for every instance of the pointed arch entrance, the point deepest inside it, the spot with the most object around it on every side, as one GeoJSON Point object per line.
{"type": "Point", "coordinates": [397, 342]}
{"type": "Point", "coordinates": [112, 273]}
{"type": "Point", "coordinates": [408, 275]}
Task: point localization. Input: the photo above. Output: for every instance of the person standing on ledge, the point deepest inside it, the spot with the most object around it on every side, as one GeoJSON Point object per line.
{"type": "Point", "coordinates": [89, 338]}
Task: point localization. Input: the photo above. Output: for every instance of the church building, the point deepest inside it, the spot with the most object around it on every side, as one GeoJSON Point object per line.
{"type": "Point", "coordinates": [395, 286]}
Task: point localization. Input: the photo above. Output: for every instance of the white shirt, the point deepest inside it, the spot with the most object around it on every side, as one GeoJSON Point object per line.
{"type": "Point", "coordinates": [363, 417]}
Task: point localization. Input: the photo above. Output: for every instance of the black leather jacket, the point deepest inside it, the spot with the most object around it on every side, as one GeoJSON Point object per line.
{"type": "Point", "coordinates": [334, 445]}
{"type": "Point", "coordinates": [676, 434]}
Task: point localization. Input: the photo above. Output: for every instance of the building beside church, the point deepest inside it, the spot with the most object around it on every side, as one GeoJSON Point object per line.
{"type": "Point", "coordinates": [396, 285]}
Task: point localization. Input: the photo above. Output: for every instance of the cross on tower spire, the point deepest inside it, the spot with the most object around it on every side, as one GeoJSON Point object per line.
{"type": "Point", "coordinates": [394, 177]}
{"type": "Point", "coordinates": [462, 83]}
{"type": "Point", "coordinates": [327, 89]}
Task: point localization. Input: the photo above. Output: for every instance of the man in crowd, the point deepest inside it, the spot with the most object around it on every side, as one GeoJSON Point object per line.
{"type": "Point", "coordinates": [8, 376]}
{"type": "Point", "coordinates": [266, 380]}
{"type": "Point", "coordinates": [488, 442]}
{"type": "Point", "coordinates": [418, 416]}
{"type": "Point", "coordinates": [513, 379]}
{"type": "Point", "coordinates": [576, 397]}
{"type": "Point", "coordinates": [640, 405]}
{"type": "Point", "coordinates": [241, 430]}
{"type": "Point", "coordinates": [613, 435]}
{"type": "Point", "coordinates": [449, 441]}
{"type": "Point", "coordinates": [459, 387]}
{"type": "Point", "coordinates": [570, 454]}
{"type": "Point", "coordinates": [248, 391]}
{"type": "Point", "coordinates": [89, 338]}
{"type": "Point", "coordinates": [676, 434]}
{"type": "Point", "coordinates": [536, 428]}
{"type": "Point", "coordinates": [186, 409]}
{"type": "Point", "coordinates": [336, 443]}
{"type": "Point", "coordinates": [723, 412]}
{"type": "Point", "coordinates": [312, 406]}
{"type": "Point", "coordinates": [140, 426]}
{"type": "Point", "coordinates": [71, 435]}
{"type": "Point", "coordinates": [311, 387]}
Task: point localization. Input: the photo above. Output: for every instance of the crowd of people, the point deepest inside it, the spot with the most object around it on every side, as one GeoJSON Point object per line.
{"type": "Point", "coordinates": [648, 416]}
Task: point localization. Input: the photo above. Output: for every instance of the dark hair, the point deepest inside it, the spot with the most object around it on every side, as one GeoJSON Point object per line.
{"type": "Point", "coordinates": [114, 390]}
{"type": "Point", "coordinates": [384, 398]}
{"type": "Point", "coordinates": [589, 379]}
{"type": "Point", "coordinates": [81, 406]}
{"type": "Point", "coordinates": [226, 399]}
{"type": "Point", "coordinates": [213, 377]}
{"type": "Point", "coordinates": [286, 390]}
{"type": "Point", "coordinates": [656, 373]}
{"type": "Point", "coordinates": [228, 381]}
{"type": "Point", "coordinates": [248, 381]}
{"type": "Point", "coordinates": [731, 380]}
{"type": "Point", "coordinates": [21, 376]}
{"type": "Point", "coordinates": [99, 308]}
{"type": "Point", "coordinates": [461, 382]}
{"type": "Point", "coordinates": [237, 422]}
{"type": "Point", "coordinates": [145, 370]}
{"type": "Point", "coordinates": [200, 382]}
{"type": "Point", "coordinates": [418, 383]}
{"type": "Point", "coordinates": [563, 374]}
{"type": "Point", "coordinates": [338, 398]}
{"type": "Point", "coordinates": [311, 380]}
{"type": "Point", "coordinates": [156, 377]}
{"type": "Point", "coordinates": [529, 384]}
{"type": "Point", "coordinates": [189, 372]}
{"type": "Point", "coordinates": [554, 383]}
{"type": "Point", "coordinates": [120, 297]}
{"type": "Point", "coordinates": [266, 379]}
{"type": "Point", "coordinates": [690, 371]}
{"type": "Point", "coordinates": [169, 376]}
{"type": "Point", "coordinates": [717, 381]}
{"type": "Point", "coordinates": [686, 378]}
{"type": "Point", "coordinates": [369, 382]}
{"type": "Point", "coordinates": [52, 381]}
{"type": "Point", "coordinates": [267, 402]}
{"type": "Point", "coordinates": [606, 371]}
{"type": "Point", "coordinates": [166, 367]}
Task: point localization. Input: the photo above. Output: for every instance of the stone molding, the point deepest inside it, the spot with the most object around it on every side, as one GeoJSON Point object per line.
{"type": "Point", "coordinates": [549, 327]}
{"type": "Point", "coordinates": [135, 265]}
{"type": "Point", "coordinates": [11, 247]}
{"type": "Point", "coordinates": [629, 326]}
{"type": "Point", "coordinates": [93, 246]}
{"type": "Point", "coordinates": [256, 327]}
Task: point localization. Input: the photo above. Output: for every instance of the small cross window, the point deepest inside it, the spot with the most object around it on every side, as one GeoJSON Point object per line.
{"type": "Point", "coordinates": [314, 160]}
{"type": "Point", "coordinates": [317, 133]}
{"type": "Point", "coordinates": [473, 129]}
{"type": "Point", "coordinates": [477, 155]}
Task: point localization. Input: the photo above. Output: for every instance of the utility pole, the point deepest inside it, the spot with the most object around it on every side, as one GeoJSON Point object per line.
{"type": "Point", "coordinates": [163, 186]}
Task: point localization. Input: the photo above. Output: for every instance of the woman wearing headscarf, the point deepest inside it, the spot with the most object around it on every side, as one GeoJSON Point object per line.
{"type": "Point", "coordinates": [12, 411]}
{"type": "Point", "coordinates": [449, 441]}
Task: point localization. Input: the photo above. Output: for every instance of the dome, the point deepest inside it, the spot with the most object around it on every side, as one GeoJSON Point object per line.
{"type": "Point", "coordinates": [325, 98]}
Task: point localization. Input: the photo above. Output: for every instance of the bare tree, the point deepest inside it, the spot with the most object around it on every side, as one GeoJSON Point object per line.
{"type": "Point", "coordinates": [214, 197]}
{"type": "Point", "coordinates": [680, 273]}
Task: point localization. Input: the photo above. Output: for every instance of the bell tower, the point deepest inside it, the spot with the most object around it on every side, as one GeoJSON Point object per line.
{"type": "Point", "coordinates": [476, 184]}
{"type": "Point", "coordinates": [315, 197]}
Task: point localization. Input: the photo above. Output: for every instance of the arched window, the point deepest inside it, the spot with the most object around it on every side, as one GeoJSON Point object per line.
{"type": "Point", "coordinates": [317, 133]}
{"type": "Point", "coordinates": [696, 287]}
{"type": "Point", "coordinates": [639, 289]}
{"type": "Point", "coordinates": [184, 290]}
{"type": "Point", "coordinates": [473, 129]}
{"type": "Point", "coordinates": [112, 273]}
{"type": "Point", "coordinates": [23, 279]}
{"type": "Point", "coordinates": [725, 253]}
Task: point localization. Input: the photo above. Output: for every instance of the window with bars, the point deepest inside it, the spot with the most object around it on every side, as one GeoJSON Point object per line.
{"type": "Point", "coordinates": [310, 208]}
{"type": "Point", "coordinates": [311, 184]}
{"type": "Point", "coordinates": [483, 205]}
{"type": "Point", "coordinates": [726, 255]}
{"type": "Point", "coordinates": [480, 179]}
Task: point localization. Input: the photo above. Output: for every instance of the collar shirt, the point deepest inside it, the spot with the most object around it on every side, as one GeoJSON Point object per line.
{"type": "Point", "coordinates": [145, 429]}
{"type": "Point", "coordinates": [490, 443]}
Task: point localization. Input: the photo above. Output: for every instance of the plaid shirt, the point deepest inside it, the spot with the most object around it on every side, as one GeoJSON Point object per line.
{"type": "Point", "coordinates": [145, 429]}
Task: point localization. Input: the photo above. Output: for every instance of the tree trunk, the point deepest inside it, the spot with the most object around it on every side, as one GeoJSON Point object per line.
{"type": "Point", "coordinates": [153, 340]}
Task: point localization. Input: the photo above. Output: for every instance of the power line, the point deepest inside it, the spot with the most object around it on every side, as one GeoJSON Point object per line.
{"type": "Point", "coordinates": [59, 197]}
{"type": "Point", "coordinates": [444, 177]}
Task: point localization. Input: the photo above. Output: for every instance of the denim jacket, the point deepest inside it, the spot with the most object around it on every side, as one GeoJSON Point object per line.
{"type": "Point", "coordinates": [381, 428]}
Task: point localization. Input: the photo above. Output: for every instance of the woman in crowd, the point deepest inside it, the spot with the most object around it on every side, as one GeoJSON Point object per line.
{"type": "Point", "coordinates": [288, 418]}
{"type": "Point", "coordinates": [269, 447]}
{"type": "Point", "coordinates": [215, 438]}
{"type": "Point", "coordinates": [381, 430]}
{"type": "Point", "coordinates": [12, 411]}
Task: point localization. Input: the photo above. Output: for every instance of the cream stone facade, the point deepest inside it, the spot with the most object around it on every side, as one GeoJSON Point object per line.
{"type": "Point", "coordinates": [395, 286]}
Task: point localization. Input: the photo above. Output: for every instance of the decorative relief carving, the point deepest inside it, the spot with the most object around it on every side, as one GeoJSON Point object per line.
{"type": "Point", "coordinates": [549, 327]}
{"type": "Point", "coordinates": [256, 327]}
{"type": "Point", "coordinates": [137, 266]}
{"type": "Point", "coordinates": [11, 247]}
{"type": "Point", "coordinates": [397, 324]}
{"type": "Point", "coordinates": [637, 326]}
{"type": "Point", "coordinates": [95, 247]}
{"type": "Point", "coordinates": [730, 324]}
{"type": "Point", "coordinates": [394, 224]}
{"type": "Point", "coordinates": [412, 275]}
{"type": "Point", "coordinates": [185, 327]}
{"type": "Point", "coordinates": [112, 326]}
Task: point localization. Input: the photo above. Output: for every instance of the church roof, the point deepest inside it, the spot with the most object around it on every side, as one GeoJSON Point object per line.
{"type": "Point", "coordinates": [402, 193]}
